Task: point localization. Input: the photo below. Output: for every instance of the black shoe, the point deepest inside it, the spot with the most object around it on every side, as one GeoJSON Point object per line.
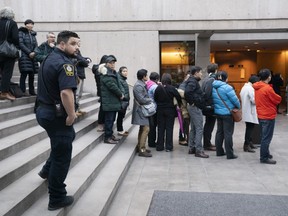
{"type": "Point", "coordinates": [221, 154]}
{"type": "Point", "coordinates": [247, 148]}
{"type": "Point", "coordinates": [233, 157]}
{"type": "Point", "coordinates": [270, 156]}
{"type": "Point", "coordinates": [110, 141]}
{"type": "Point", "coordinates": [201, 154]}
{"type": "Point", "coordinates": [43, 174]}
{"type": "Point", "coordinates": [115, 138]}
{"type": "Point", "coordinates": [192, 151]}
{"type": "Point", "coordinates": [169, 150]}
{"type": "Point", "coordinates": [144, 154]}
{"type": "Point", "coordinates": [268, 161]}
{"type": "Point", "coordinates": [68, 200]}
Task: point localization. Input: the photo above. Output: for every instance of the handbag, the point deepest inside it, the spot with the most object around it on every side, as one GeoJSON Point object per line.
{"type": "Point", "coordinates": [236, 113]}
{"type": "Point", "coordinates": [148, 109]}
{"type": "Point", "coordinates": [8, 49]}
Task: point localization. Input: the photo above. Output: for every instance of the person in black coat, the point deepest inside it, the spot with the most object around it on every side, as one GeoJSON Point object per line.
{"type": "Point", "coordinates": [166, 112]}
{"type": "Point", "coordinates": [27, 64]}
{"type": "Point", "coordinates": [7, 63]}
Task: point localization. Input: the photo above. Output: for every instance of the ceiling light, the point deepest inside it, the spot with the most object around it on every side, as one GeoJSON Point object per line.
{"type": "Point", "coordinates": [228, 50]}
{"type": "Point", "coordinates": [256, 43]}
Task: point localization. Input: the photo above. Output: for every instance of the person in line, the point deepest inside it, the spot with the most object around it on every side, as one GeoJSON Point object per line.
{"type": "Point", "coordinates": [45, 48]}
{"type": "Point", "coordinates": [277, 82]}
{"type": "Point", "coordinates": [151, 85]}
{"type": "Point", "coordinates": [225, 123]}
{"type": "Point", "coordinates": [123, 74]}
{"type": "Point", "coordinates": [140, 98]}
{"type": "Point", "coordinates": [7, 63]}
{"type": "Point", "coordinates": [57, 83]}
{"type": "Point", "coordinates": [184, 136]}
{"type": "Point", "coordinates": [208, 110]}
{"type": "Point", "coordinates": [81, 63]}
{"type": "Point", "coordinates": [97, 76]}
{"type": "Point", "coordinates": [166, 112]}
{"type": "Point", "coordinates": [266, 105]}
{"type": "Point", "coordinates": [249, 116]}
{"type": "Point", "coordinates": [111, 96]}
{"type": "Point", "coordinates": [195, 98]}
{"type": "Point", "coordinates": [28, 66]}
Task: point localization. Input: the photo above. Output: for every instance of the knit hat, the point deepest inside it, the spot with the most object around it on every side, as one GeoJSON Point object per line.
{"type": "Point", "coordinates": [28, 21]}
{"type": "Point", "coordinates": [110, 58]}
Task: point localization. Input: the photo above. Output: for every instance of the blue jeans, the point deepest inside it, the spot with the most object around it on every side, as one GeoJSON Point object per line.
{"type": "Point", "coordinates": [109, 121]}
{"type": "Point", "coordinates": [267, 130]}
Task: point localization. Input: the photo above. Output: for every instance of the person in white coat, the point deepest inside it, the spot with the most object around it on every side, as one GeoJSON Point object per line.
{"type": "Point", "coordinates": [249, 114]}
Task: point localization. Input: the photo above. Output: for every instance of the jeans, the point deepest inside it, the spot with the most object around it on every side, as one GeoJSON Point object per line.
{"type": "Point", "coordinates": [109, 121]}
{"type": "Point", "coordinates": [57, 165]}
{"type": "Point", "coordinates": [225, 130]}
{"type": "Point", "coordinates": [267, 130]}
{"type": "Point", "coordinates": [196, 130]}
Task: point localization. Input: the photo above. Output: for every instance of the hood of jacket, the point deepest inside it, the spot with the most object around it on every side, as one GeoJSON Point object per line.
{"type": "Point", "coordinates": [149, 84]}
{"type": "Point", "coordinates": [25, 30]}
{"type": "Point", "coordinates": [259, 85]}
{"type": "Point", "coordinates": [103, 70]}
{"type": "Point", "coordinates": [217, 83]}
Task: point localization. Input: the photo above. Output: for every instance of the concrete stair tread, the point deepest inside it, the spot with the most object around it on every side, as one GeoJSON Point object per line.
{"type": "Point", "coordinates": [75, 179]}
{"type": "Point", "coordinates": [17, 108]}
{"type": "Point", "coordinates": [17, 121]}
{"type": "Point", "coordinates": [98, 196]}
{"type": "Point", "coordinates": [79, 174]}
{"type": "Point", "coordinates": [17, 102]}
{"type": "Point", "coordinates": [32, 176]}
{"type": "Point", "coordinates": [22, 135]}
{"type": "Point", "coordinates": [25, 156]}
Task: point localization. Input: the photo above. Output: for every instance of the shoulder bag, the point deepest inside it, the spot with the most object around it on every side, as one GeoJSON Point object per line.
{"type": "Point", "coordinates": [8, 49]}
{"type": "Point", "coordinates": [147, 109]}
{"type": "Point", "coordinates": [236, 113]}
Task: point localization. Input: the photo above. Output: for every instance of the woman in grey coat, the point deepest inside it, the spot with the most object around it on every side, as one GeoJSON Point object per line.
{"type": "Point", "coordinates": [140, 98]}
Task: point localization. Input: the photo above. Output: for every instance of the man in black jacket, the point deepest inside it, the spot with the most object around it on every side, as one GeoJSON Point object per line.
{"type": "Point", "coordinates": [195, 99]}
{"type": "Point", "coordinates": [208, 110]}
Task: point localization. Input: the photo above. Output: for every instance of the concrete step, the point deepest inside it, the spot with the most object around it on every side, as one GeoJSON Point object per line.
{"type": "Point", "coordinates": [19, 101]}
{"type": "Point", "coordinates": [104, 158]}
{"type": "Point", "coordinates": [13, 167]}
{"type": "Point", "coordinates": [12, 144]}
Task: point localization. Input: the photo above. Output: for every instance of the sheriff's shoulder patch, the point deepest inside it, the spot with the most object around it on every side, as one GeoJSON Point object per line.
{"type": "Point", "coordinates": [69, 69]}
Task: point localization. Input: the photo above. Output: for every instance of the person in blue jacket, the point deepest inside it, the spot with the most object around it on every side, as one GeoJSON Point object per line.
{"type": "Point", "coordinates": [225, 124]}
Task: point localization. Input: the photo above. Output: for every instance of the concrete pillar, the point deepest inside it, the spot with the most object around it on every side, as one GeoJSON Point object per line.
{"type": "Point", "coordinates": [202, 57]}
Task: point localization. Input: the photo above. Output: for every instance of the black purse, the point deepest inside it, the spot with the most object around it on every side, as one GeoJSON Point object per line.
{"type": "Point", "coordinates": [8, 49]}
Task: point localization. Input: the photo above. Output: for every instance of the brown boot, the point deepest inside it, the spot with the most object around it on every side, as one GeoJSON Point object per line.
{"type": "Point", "coordinates": [7, 95]}
{"type": "Point", "coordinates": [247, 148]}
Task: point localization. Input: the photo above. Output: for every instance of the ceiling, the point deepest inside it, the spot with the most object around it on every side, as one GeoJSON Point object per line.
{"type": "Point", "coordinates": [253, 45]}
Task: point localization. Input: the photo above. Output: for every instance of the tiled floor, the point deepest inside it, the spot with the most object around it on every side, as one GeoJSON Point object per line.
{"type": "Point", "coordinates": [178, 171]}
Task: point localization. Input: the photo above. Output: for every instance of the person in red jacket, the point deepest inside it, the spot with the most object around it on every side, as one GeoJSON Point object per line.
{"type": "Point", "coordinates": [266, 105]}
